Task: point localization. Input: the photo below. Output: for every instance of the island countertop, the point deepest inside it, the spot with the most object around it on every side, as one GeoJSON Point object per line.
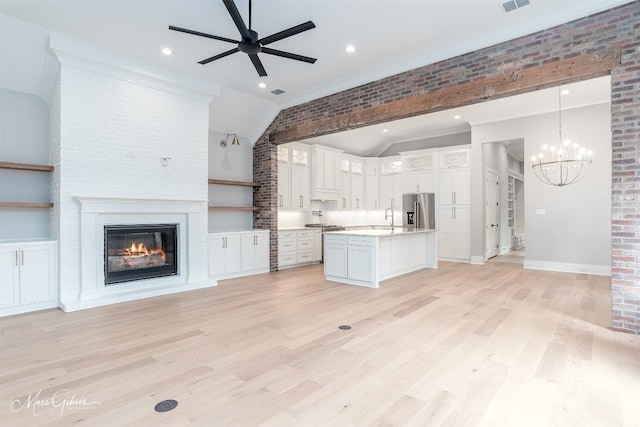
{"type": "Point", "coordinates": [380, 232]}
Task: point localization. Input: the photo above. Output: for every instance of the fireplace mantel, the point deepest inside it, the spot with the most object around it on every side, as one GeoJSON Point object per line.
{"type": "Point", "coordinates": [96, 212]}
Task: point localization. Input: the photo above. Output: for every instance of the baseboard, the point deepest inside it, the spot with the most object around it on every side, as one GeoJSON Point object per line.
{"type": "Point", "coordinates": [477, 260]}
{"type": "Point", "coordinates": [565, 267]}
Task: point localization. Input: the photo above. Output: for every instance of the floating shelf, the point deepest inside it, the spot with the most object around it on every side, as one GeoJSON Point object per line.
{"type": "Point", "coordinates": [233, 208]}
{"type": "Point", "coordinates": [240, 183]}
{"type": "Point", "coordinates": [26, 167]}
{"type": "Point", "coordinates": [30, 205]}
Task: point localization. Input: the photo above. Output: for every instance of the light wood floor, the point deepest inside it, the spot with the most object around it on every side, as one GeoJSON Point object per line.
{"type": "Point", "coordinates": [464, 345]}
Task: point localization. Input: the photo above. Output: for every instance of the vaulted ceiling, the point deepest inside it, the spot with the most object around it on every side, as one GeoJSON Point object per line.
{"type": "Point", "coordinates": [390, 36]}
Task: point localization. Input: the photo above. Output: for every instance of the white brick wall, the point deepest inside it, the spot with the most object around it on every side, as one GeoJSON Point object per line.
{"type": "Point", "coordinates": [112, 135]}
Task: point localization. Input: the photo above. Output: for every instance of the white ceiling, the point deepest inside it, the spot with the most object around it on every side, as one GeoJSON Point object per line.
{"type": "Point", "coordinates": [391, 36]}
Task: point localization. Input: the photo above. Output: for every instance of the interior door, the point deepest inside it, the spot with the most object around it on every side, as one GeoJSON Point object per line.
{"type": "Point", "coordinates": [492, 214]}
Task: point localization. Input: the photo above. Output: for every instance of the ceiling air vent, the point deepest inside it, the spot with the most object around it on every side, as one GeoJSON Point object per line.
{"type": "Point", "coordinates": [514, 4]}
{"type": "Point", "coordinates": [277, 92]}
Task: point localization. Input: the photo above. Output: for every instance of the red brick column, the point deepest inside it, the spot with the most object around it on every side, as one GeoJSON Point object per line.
{"type": "Point", "coordinates": [625, 191]}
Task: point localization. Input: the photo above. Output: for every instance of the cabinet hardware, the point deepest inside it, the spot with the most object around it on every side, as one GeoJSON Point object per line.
{"type": "Point", "coordinates": [22, 256]}
{"type": "Point", "coordinates": [281, 201]}
{"type": "Point", "coordinates": [16, 256]}
{"type": "Point", "coordinates": [357, 203]}
{"type": "Point", "coordinates": [301, 201]}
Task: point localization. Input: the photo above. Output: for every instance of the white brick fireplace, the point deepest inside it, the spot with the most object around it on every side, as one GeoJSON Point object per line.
{"type": "Point", "coordinates": [127, 148]}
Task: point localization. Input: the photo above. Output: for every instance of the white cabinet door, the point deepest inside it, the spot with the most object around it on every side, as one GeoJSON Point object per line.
{"type": "Point", "coordinates": [248, 258]}
{"type": "Point", "coordinates": [462, 242]}
{"type": "Point", "coordinates": [284, 186]}
{"type": "Point", "coordinates": [371, 195]}
{"type": "Point", "coordinates": [454, 186]}
{"type": "Point", "coordinates": [35, 274]}
{"type": "Point", "coordinates": [299, 187]}
{"type": "Point", "coordinates": [9, 277]}
{"type": "Point", "coordinates": [454, 232]}
{"type": "Point", "coordinates": [255, 251]}
{"type": "Point", "coordinates": [317, 245]}
{"type": "Point", "coordinates": [360, 260]}
{"type": "Point", "coordinates": [357, 192]}
{"type": "Point", "coordinates": [391, 191]}
{"type": "Point", "coordinates": [262, 251]}
{"type": "Point", "coordinates": [335, 256]}
{"type": "Point", "coordinates": [224, 254]}
{"type": "Point", "coordinates": [344, 202]}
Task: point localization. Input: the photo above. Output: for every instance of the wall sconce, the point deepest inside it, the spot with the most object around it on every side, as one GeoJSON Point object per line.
{"type": "Point", "coordinates": [235, 141]}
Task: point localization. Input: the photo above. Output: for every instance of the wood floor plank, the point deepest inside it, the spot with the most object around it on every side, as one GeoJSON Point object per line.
{"type": "Point", "coordinates": [491, 345]}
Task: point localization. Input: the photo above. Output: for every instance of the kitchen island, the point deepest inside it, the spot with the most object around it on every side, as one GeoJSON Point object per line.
{"type": "Point", "coordinates": [365, 257]}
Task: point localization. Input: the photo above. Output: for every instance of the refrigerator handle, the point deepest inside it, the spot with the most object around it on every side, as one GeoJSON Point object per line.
{"type": "Point", "coordinates": [416, 210]}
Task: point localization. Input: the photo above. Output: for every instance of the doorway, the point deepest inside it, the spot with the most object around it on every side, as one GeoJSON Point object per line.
{"type": "Point", "coordinates": [492, 213]}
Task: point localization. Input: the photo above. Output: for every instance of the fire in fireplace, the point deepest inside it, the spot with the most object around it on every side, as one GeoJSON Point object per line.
{"type": "Point", "coordinates": [136, 252]}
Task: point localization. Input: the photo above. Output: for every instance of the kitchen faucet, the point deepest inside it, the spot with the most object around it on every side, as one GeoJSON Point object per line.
{"type": "Point", "coordinates": [386, 216]}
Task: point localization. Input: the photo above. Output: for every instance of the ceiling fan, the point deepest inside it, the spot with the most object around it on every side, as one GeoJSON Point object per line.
{"type": "Point", "coordinates": [250, 43]}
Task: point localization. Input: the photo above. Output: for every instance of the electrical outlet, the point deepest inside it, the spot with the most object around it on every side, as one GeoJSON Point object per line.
{"type": "Point", "coordinates": [540, 212]}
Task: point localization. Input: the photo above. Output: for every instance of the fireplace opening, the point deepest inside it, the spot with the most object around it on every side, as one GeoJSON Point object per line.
{"type": "Point", "coordinates": [136, 252]}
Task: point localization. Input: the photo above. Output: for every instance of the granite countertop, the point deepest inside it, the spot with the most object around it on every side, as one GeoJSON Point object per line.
{"type": "Point", "coordinates": [380, 232]}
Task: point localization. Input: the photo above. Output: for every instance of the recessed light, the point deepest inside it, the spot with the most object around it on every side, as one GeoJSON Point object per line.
{"type": "Point", "coordinates": [262, 85]}
{"type": "Point", "coordinates": [456, 117]}
{"type": "Point", "coordinates": [385, 130]}
{"type": "Point", "coordinates": [166, 51]}
{"type": "Point", "coordinates": [565, 92]}
{"type": "Point", "coordinates": [350, 48]}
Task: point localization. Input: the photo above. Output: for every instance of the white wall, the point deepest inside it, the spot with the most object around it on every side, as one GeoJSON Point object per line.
{"type": "Point", "coordinates": [24, 138]}
{"type": "Point", "coordinates": [575, 232]}
{"type": "Point", "coordinates": [110, 135]}
{"type": "Point", "coordinates": [234, 163]}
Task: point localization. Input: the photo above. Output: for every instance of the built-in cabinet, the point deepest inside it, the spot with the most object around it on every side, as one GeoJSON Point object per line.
{"type": "Point", "coordinates": [454, 199]}
{"type": "Point", "coordinates": [371, 184]}
{"type": "Point", "coordinates": [293, 177]}
{"type": "Point", "coordinates": [299, 247]}
{"type": "Point", "coordinates": [390, 182]}
{"type": "Point", "coordinates": [28, 276]}
{"type": "Point", "coordinates": [419, 172]}
{"type": "Point", "coordinates": [352, 178]}
{"type": "Point", "coordinates": [326, 178]}
{"type": "Point", "coordinates": [238, 253]}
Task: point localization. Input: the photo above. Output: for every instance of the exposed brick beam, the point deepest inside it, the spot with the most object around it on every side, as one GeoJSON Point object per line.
{"type": "Point", "coordinates": [581, 67]}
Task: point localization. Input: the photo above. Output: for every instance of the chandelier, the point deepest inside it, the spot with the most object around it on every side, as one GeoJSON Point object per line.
{"type": "Point", "coordinates": [561, 164]}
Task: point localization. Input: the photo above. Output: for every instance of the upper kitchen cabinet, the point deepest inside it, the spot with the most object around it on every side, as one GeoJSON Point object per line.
{"type": "Point", "coordinates": [419, 172]}
{"type": "Point", "coordinates": [390, 182]}
{"type": "Point", "coordinates": [371, 185]}
{"type": "Point", "coordinates": [293, 177]}
{"type": "Point", "coordinates": [351, 171]}
{"type": "Point", "coordinates": [326, 178]}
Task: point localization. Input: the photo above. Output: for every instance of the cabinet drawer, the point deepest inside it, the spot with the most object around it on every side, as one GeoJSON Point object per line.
{"type": "Point", "coordinates": [288, 258]}
{"type": "Point", "coordinates": [286, 235]}
{"type": "Point", "coordinates": [304, 257]}
{"type": "Point", "coordinates": [306, 233]}
{"type": "Point", "coordinates": [305, 243]}
{"type": "Point", "coordinates": [286, 245]}
{"type": "Point", "coordinates": [360, 241]}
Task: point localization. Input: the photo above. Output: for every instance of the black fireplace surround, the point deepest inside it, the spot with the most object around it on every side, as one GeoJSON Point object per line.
{"type": "Point", "coordinates": [137, 252]}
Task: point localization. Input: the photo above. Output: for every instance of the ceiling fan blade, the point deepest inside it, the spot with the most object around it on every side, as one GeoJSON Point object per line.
{"type": "Point", "coordinates": [220, 55]}
{"type": "Point", "coordinates": [258, 64]}
{"type": "Point", "coordinates": [288, 55]}
{"type": "Point", "coordinates": [237, 19]}
{"type": "Point", "coordinates": [198, 33]}
{"type": "Point", "coordinates": [287, 33]}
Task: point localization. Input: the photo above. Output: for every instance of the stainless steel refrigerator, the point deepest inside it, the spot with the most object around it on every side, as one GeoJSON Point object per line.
{"type": "Point", "coordinates": [419, 211]}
